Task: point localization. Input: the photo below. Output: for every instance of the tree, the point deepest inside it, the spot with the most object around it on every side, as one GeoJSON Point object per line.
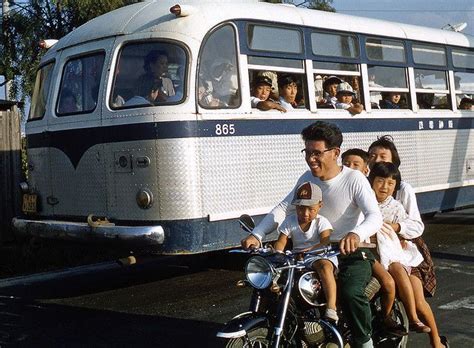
{"type": "Point", "coordinates": [322, 5]}
{"type": "Point", "coordinates": [30, 21]}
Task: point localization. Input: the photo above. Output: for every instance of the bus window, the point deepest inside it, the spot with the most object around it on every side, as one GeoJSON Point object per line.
{"type": "Point", "coordinates": [41, 92]}
{"type": "Point", "coordinates": [385, 50]}
{"type": "Point", "coordinates": [464, 85]}
{"type": "Point", "coordinates": [218, 81]}
{"type": "Point", "coordinates": [432, 89]}
{"type": "Point", "coordinates": [335, 45]}
{"type": "Point", "coordinates": [262, 38]}
{"type": "Point", "coordinates": [80, 82]}
{"type": "Point", "coordinates": [430, 55]}
{"type": "Point", "coordinates": [463, 59]}
{"type": "Point", "coordinates": [327, 76]}
{"type": "Point", "coordinates": [148, 74]}
{"type": "Point", "coordinates": [388, 87]}
{"type": "Point", "coordinates": [277, 68]}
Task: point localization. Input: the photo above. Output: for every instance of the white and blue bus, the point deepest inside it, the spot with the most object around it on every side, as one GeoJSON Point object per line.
{"type": "Point", "coordinates": [106, 163]}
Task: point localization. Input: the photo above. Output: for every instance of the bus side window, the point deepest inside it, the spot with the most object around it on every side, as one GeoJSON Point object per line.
{"type": "Point", "coordinates": [148, 74]}
{"type": "Point", "coordinates": [218, 74]}
{"type": "Point", "coordinates": [80, 82]}
{"type": "Point", "coordinates": [432, 89]}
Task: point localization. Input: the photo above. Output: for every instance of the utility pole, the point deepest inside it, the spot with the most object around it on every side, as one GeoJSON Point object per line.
{"type": "Point", "coordinates": [5, 14]}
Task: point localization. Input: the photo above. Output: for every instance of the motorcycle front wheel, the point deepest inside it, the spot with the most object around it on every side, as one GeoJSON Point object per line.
{"type": "Point", "coordinates": [257, 337]}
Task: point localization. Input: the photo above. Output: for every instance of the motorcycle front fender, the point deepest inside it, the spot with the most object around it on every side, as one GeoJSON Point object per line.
{"type": "Point", "coordinates": [241, 324]}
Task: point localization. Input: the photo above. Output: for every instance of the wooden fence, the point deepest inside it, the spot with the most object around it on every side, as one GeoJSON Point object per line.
{"type": "Point", "coordinates": [10, 170]}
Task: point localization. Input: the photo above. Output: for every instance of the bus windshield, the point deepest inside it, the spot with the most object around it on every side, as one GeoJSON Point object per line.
{"type": "Point", "coordinates": [148, 74]}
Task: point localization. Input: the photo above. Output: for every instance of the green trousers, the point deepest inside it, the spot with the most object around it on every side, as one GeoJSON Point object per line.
{"type": "Point", "coordinates": [355, 271]}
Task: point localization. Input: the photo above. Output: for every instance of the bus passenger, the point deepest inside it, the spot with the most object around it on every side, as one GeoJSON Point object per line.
{"type": "Point", "coordinates": [330, 89]}
{"type": "Point", "coordinates": [261, 91]}
{"type": "Point", "coordinates": [385, 179]}
{"type": "Point", "coordinates": [156, 69]}
{"type": "Point", "coordinates": [342, 207]}
{"type": "Point", "coordinates": [344, 95]}
{"type": "Point", "coordinates": [308, 230]}
{"type": "Point", "coordinates": [422, 277]}
{"type": "Point", "coordinates": [288, 89]}
{"type": "Point", "coordinates": [466, 104]}
{"type": "Point", "coordinates": [205, 96]}
{"type": "Point", "coordinates": [147, 94]}
{"type": "Point", "coordinates": [390, 100]}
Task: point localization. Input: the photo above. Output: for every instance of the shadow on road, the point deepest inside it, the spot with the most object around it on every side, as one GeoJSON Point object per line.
{"type": "Point", "coordinates": [66, 326]}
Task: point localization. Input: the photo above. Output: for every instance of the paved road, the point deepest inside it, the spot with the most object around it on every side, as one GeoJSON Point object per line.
{"type": "Point", "coordinates": [165, 304]}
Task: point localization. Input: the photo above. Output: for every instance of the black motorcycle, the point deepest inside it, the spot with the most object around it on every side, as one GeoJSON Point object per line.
{"type": "Point", "coordinates": [288, 304]}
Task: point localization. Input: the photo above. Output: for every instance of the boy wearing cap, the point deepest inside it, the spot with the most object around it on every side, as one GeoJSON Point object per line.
{"type": "Point", "coordinates": [345, 94]}
{"type": "Point", "coordinates": [309, 230]}
{"type": "Point", "coordinates": [330, 88]}
{"type": "Point", "coordinates": [260, 98]}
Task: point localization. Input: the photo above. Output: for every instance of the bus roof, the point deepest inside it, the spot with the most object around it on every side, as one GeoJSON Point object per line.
{"type": "Point", "coordinates": [152, 16]}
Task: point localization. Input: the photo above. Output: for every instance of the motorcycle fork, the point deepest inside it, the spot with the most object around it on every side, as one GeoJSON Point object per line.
{"type": "Point", "coordinates": [283, 309]}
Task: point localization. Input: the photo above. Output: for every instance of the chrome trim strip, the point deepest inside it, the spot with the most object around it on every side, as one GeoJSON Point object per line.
{"type": "Point", "coordinates": [235, 334]}
{"type": "Point", "coordinates": [66, 230]}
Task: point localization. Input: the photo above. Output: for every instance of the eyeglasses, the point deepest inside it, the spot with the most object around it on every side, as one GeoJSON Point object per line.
{"type": "Point", "coordinates": [315, 153]}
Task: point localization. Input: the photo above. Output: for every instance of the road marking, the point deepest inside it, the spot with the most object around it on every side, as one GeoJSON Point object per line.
{"type": "Point", "coordinates": [467, 303]}
{"type": "Point", "coordinates": [456, 268]}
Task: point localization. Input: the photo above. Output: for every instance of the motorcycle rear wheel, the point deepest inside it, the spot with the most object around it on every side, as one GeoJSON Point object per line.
{"type": "Point", "coordinates": [257, 337]}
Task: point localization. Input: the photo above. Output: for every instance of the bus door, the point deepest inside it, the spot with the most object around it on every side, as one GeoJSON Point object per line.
{"type": "Point", "coordinates": [76, 155]}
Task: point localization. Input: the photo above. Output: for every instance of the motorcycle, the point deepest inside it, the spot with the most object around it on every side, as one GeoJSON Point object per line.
{"type": "Point", "coordinates": [288, 303]}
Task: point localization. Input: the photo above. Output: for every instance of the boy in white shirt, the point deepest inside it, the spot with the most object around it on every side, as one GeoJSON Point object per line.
{"type": "Point", "coordinates": [309, 230]}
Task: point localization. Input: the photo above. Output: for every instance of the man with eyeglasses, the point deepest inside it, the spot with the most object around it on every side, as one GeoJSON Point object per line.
{"type": "Point", "coordinates": [347, 194]}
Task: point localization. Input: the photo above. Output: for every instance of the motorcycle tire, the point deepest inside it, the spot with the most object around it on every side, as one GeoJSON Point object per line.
{"type": "Point", "coordinates": [257, 337]}
{"type": "Point", "coordinates": [400, 317]}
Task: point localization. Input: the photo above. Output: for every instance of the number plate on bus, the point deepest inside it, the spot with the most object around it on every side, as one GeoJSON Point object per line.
{"type": "Point", "coordinates": [29, 203]}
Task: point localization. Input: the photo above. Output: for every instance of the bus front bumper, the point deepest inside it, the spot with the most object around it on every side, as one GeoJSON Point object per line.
{"type": "Point", "coordinates": [67, 230]}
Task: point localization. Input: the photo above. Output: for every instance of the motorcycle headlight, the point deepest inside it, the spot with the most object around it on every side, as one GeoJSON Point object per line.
{"type": "Point", "coordinates": [259, 272]}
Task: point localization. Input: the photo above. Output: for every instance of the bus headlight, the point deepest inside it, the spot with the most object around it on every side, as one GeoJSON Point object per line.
{"type": "Point", "coordinates": [259, 272]}
{"type": "Point", "coordinates": [144, 198]}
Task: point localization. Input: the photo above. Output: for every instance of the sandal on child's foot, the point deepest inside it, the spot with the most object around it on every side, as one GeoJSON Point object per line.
{"type": "Point", "coordinates": [394, 328]}
{"type": "Point", "coordinates": [419, 327]}
{"type": "Point", "coordinates": [331, 314]}
{"type": "Point", "coordinates": [444, 341]}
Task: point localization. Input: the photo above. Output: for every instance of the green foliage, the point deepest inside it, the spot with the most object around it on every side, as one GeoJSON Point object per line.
{"type": "Point", "coordinates": [31, 21]}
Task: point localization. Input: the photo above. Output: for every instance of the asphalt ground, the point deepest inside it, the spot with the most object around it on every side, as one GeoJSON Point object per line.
{"type": "Point", "coordinates": [169, 302]}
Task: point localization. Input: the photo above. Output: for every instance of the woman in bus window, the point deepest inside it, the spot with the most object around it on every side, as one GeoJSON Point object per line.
{"type": "Point", "coordinates": [422, 277]}
{"type": "Point", "coordinates": [156, 69]}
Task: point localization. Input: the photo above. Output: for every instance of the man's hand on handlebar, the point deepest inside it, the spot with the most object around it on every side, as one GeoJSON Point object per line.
{"type": "Point", "coordinates": [349, 243]}
{"type": "Point", "coordinates": [250, 242]}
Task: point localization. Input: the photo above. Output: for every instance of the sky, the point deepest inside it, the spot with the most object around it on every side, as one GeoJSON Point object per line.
{"type": "Point", "coordinates": [430, 13]}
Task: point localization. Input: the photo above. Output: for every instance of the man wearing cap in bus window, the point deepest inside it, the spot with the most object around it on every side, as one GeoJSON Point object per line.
{"type": "Point", "coordinates": [345, 94]}
{"type": "Point", "coordinates": [260, 98]}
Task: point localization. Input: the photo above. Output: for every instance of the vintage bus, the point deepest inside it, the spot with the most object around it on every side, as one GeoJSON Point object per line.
{"type": "Point", "coordinates": [141, 128]}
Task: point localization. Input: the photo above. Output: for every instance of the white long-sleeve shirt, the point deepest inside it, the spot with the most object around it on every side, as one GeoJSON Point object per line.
{"type": "Point", "coordinates": [344, 198]}
{"type": "Point", "coordinates": [411, 227]}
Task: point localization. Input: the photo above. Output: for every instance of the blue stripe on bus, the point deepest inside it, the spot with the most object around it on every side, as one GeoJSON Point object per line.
{"type": "Point", "coordinates": [75, 142]}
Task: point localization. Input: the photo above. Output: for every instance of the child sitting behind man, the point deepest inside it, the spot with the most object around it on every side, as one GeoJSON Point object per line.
{"type": "Point", "coordinates": [309, 230]}
{"type": "Point", "coordinates": [358, 159]}
{"type": "Point", "coordinates": [385, 180]}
